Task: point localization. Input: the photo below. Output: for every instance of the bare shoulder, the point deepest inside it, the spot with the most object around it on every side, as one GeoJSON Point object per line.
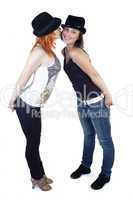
{"type": "Point", "coordinates": [78, 53]}
{"type": "Point", "coordinates": [38, 50]}
{"type": "Point", "coordinates": [37, 53]}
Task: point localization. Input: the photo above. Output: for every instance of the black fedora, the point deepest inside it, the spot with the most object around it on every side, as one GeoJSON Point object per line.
{"type": "Point", "coordinates": [75, 22]}
{"type": "Point", "coordinates": [44, 24]}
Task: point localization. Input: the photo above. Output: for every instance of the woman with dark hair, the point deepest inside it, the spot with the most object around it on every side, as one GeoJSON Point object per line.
{"type": "Point", "coordinates": [27, 100]}
{"type": "Point", "coordinates": [93, 101]}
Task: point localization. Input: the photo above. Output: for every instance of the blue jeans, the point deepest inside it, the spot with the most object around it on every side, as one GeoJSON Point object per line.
{"type": "Point", "coordinates": [95, 120]}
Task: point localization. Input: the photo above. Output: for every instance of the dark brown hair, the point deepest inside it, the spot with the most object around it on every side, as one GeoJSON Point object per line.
{"type": "Point", "coordinates": [80, 42]}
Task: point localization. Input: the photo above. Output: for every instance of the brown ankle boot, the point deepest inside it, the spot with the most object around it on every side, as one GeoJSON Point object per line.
{"type": "Point", "coordinates": [41, 183]}
{"type": "Point", "coordinates": [48, 180]}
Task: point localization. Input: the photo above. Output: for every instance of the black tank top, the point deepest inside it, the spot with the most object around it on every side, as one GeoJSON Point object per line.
{"type": "Point", "coordinates": [82, 83]}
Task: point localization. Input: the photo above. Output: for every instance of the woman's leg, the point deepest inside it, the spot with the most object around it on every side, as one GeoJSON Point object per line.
{"type": "Point", "coordinates": [31, 126]}
{"type": "Point", "coordinates": [89, 136]}
{"type": "Point", "coordinates": [100, 117]}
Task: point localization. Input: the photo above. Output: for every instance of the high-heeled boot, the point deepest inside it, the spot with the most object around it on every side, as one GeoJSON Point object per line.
{"type": "Point", "coordinates": [41, 183]}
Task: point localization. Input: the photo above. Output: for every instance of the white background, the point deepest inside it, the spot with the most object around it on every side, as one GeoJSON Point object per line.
{"type": "Point", "coordinates": [109, 42]}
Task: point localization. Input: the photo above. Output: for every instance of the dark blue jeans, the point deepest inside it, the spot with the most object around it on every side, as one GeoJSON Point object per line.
{"type": "Point", "coordinates": [95, 120]}
{"type": "Point", "coordinates": [30, 120]}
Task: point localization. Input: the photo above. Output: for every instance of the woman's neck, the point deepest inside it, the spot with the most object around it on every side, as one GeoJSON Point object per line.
{"type": "Point", "coordinates": [69, 47]}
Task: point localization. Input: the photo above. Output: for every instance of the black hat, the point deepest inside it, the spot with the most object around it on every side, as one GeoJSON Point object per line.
{"type": "Point", "coordinates": [44, 24]}
{"type": "Point", "coordinates": [75, 22]}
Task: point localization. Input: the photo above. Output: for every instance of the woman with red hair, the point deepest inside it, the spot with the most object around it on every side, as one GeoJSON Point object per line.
{"type": "Point", "coordinates": [27, 100]}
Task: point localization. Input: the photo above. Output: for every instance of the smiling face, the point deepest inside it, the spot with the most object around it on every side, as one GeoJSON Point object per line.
{"type": "Point", "coordinates": [70, 35]}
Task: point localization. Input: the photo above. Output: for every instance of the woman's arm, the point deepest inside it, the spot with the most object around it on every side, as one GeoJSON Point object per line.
{"type": "Point", "coordinates": [83, 61]}
{"type": "Point", "coordinates": [33, 62]}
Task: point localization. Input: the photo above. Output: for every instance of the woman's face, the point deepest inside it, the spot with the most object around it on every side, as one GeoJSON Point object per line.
{"type": "Point", "coordinates": [57, 33]}
{"type": "Point", "coordinates": [70, 35]}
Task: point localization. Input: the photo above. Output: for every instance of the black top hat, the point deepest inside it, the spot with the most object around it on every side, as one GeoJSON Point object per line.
{"type": "Point", "coordinates": [44, 24]}
{"type": "Point", "coordinates": [75, 22]}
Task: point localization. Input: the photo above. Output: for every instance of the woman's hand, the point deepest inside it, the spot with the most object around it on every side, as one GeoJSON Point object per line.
{"type": "Point", "coordinates": [108, 100]}
{"type": "Point", "coordinates": [11, 105]}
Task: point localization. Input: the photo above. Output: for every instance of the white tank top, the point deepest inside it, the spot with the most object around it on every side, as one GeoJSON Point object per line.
{"type": "Point", "coordinates": [44, 77]}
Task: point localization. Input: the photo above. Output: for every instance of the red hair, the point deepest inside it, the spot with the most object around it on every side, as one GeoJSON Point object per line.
{"type": "Point", "coordinates": [47, 43]}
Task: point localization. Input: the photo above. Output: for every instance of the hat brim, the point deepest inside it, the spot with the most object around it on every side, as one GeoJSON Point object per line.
{"type": "Point", "coordinates": [55, 23]}
{"type": "Point", "coordinates": [83, 30]}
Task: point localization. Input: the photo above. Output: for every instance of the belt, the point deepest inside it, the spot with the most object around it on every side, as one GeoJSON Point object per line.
{"type": "Point", "coordinates": [93, 100]}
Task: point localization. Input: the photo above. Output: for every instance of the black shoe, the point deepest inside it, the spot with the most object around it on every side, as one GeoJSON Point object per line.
{"type": "Point", "coordinates": [80, 171]}
{"type": "Point", "coordinates": [100, 182]}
